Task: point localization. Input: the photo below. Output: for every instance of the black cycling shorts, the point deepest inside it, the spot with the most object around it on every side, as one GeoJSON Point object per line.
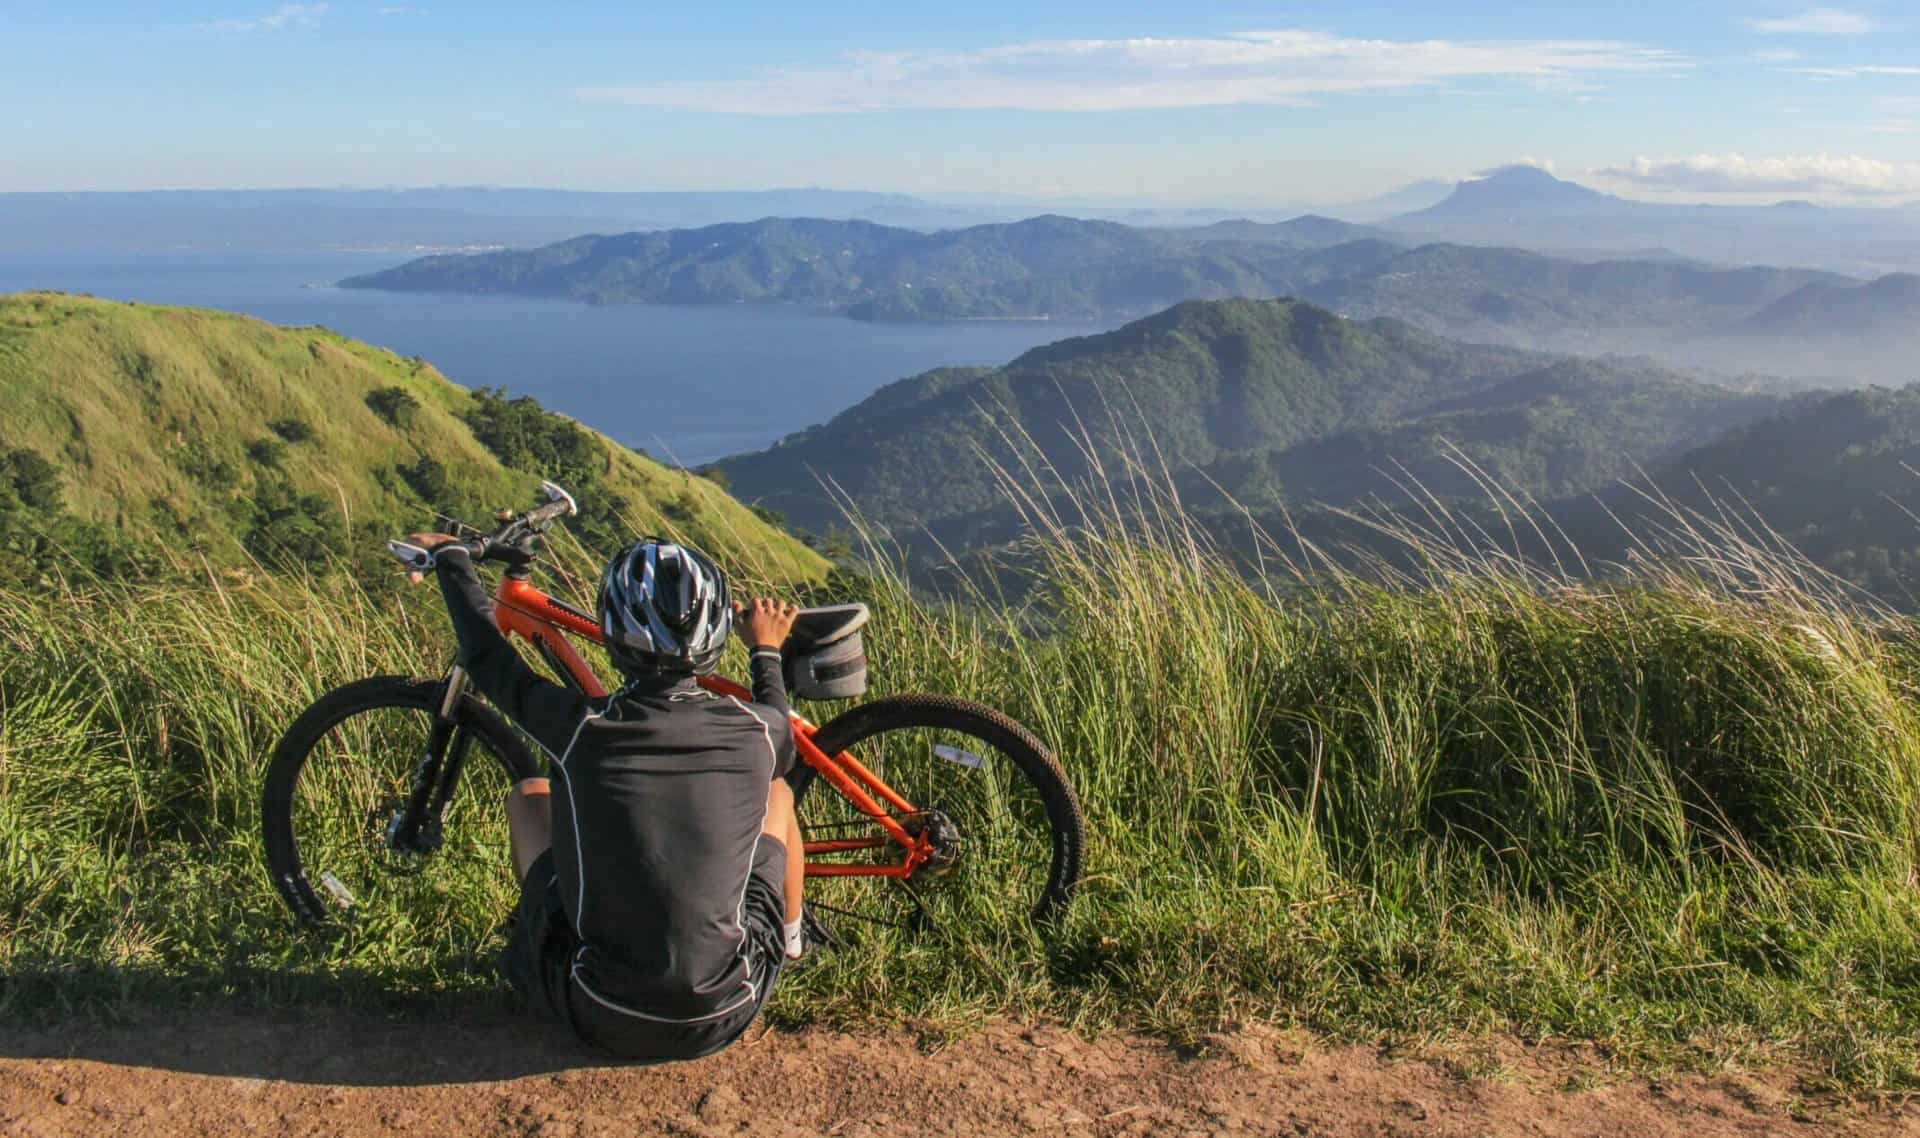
{"type": "Point", "coordinates": [538, 961]}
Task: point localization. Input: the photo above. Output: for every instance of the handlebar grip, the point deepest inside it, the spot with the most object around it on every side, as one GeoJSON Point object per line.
{"type": "Point", "coordinates": [540, 516]}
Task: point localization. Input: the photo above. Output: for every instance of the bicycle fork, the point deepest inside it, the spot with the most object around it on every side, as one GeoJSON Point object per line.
{"type": "Point", "coordinates": [416, 828]}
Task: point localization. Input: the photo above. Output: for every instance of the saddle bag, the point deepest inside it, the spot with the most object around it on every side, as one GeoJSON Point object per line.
{"type": "Point", "coordinates": [827, 657]}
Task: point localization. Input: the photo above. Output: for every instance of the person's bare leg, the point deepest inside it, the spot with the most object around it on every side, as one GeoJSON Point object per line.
{"type": "Point", "coordinates": [529, 822]}
{"type": "Point", "coordinates": [784, 824]}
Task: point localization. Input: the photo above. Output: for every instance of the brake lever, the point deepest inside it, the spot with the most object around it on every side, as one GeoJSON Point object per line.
{"type": "Point", "coordinates": [421, 560]}
{"type": "Point", "coordinates": [410, 555]}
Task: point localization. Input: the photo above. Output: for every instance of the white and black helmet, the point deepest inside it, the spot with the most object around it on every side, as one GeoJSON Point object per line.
{"type": "Point", "coordinates": [664, 609]}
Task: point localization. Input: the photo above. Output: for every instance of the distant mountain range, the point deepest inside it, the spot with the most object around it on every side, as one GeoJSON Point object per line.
{"type": "Point", "coordinates": [1056, 267]}
{"type": "Point", "coordinates": [1272, 401]}
{"type": "Point", "coordinates": [1531, 209]}
{"type": "Point", "coordinates": [467, 217]}
{"type": "Point", "coordinates": [409, 219]}
{"type": "Point", "coordinates": [1685, 311]}
{"type": "Point", "coordinates": [1519, 207]}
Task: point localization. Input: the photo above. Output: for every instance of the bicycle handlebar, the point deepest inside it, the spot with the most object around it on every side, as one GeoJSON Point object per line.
{"type": "Point", "coordinates": [512, 542]}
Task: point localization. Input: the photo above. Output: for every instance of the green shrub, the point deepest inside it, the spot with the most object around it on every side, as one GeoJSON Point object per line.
{"type": "Point", "coordinates": [396, 405]}
{"type": "Point", "coordinates": [36, 482]}
{"type": "Point", "coordinates": [428, 478]}
{"type": "Point", "coordinates": [267, 452]}
{"type": "Point", "coordinates": [292, 430]}
{"type": "Point", "coordinates": [677, 510]}
{"type": "Point", "coordinates": [292, 529]}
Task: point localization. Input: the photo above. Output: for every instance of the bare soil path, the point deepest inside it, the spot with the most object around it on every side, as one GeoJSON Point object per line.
{"type": "Point", "coordinates": [485, 1073]}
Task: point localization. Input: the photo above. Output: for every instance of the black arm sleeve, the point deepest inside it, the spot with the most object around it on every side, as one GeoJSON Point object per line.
{"type": "Point", "coordinates": [545, 710]}
{"type": "Point", "coordinates": [770, 690]}
{"type": "Point", "coordinates": [769, 685]}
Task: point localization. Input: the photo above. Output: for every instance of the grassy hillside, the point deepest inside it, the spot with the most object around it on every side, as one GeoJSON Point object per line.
{"type": "Point", "coordinates": [1234, 387]}
{"type": "Point", "coordinates": [1674, 820]}
{"type": "Point", "coordinates": [132, 427]}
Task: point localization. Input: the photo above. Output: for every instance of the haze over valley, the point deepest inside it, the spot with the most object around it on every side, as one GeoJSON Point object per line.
{"type": "Point", "coordinates": [1812, 324]}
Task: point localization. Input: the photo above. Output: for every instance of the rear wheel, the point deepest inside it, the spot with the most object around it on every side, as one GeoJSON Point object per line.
{"type": "Point", "coordinates": [347, 841]}
{"type": "Point", "coordinates": [1004, 820]}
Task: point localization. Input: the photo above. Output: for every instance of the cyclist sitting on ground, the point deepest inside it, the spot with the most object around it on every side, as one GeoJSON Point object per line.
{"type": "Point", "coordinates": [661, 895]}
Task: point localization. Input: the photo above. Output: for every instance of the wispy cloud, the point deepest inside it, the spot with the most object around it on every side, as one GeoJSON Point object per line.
{"type": "Point", "coordinates": [1894, 70]}
{"type": "Point", "coordinates": [285, 16]}
{"type": "Point", "coordinates": [1289, 67]}
{"type": "Point", "coordinates": [1795, 173]}
{"type": "Point", "coordinates": [1816, 22]}
{"type": "Point", "coordinates": [1527, 160]}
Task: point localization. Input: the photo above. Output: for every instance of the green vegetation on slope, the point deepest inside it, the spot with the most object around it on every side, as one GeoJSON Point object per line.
{"type": "Point", "coordinates": [1044, 266]}
{"type": "Point", "coordinates": [138, 434]}
{"type": "Point", "coordinates": [1678, 820]}
{"type": "Point", "coordinates": [1272, 399]}
{"type": "Point", "coordinates": [1510, 296]}
{"type": "Point", "coordinates": [1837, 476]}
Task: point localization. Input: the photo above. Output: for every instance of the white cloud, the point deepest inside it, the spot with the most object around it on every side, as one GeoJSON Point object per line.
{"type": "Point", "coordinates": [1817, 22]}
{"type": "Point", "coordinates": [1542, 164]}
{"type": "Point", "coordinates": [1288, 67]}
{"type": "Point", "coordinates": [1799, 173]}
{"type": "Point", "coordinates": [286, 15]}
{"type": "Point", "coordinates": [1855, 72]}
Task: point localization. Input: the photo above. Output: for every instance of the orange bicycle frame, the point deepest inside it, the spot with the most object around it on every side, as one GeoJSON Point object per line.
{"type": "Point", "coordinates": [522, 609]}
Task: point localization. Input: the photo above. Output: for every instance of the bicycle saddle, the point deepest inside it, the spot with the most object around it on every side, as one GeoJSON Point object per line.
{"type": "Point", "coordinates": [828, 624]}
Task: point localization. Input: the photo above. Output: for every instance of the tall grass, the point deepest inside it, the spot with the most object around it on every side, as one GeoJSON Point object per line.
{"type": "Point", "coordinates": [1674, 813]}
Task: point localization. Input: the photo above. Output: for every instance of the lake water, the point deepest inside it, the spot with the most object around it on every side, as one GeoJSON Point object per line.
{"type": "Point", "coordinates": [691, 384]}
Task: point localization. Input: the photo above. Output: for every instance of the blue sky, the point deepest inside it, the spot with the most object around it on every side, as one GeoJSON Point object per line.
{"type": "Point", "coordinates": [1241, 102]}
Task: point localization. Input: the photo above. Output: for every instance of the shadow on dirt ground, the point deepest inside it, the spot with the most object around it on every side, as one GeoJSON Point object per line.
{"type": "Point", "coordinates": [334, 1047]}
{"type": "Point", "coordinates": [490, 1071]}
{"type": "Point", "coordinates": [339, 1027]}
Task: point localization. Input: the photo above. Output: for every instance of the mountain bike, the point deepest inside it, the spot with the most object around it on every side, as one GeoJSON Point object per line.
{"type": "Point", "coordinates": [383, 803]}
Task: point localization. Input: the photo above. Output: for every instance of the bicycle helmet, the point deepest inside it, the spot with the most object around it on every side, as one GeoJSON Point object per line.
{"type": "Point", "coordinates": [664, 609]}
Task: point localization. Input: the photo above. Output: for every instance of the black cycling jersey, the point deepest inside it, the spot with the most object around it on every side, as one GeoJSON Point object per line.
{"type": "Point", "coordinates": [661, 795]}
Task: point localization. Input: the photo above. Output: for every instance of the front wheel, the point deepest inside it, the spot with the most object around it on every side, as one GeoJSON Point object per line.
{"type": "Point", "coordinates": [1007, 824]}
{"type": "Point", "coordinates": [381, 815]}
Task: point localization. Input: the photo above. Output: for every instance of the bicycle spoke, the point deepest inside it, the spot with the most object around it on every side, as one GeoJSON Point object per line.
{"type": "Point", "coordinates": [352, 788]}
{"type": "Point", "coordinates": [1002, 850]}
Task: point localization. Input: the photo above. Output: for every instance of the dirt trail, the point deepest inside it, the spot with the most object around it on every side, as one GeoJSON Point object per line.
{"type": "Point", "coordinates": [325, 1073]}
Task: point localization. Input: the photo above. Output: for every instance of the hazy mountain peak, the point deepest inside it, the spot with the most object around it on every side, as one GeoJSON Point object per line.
{"type": "Point", "coordinates": [1520, 187]}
